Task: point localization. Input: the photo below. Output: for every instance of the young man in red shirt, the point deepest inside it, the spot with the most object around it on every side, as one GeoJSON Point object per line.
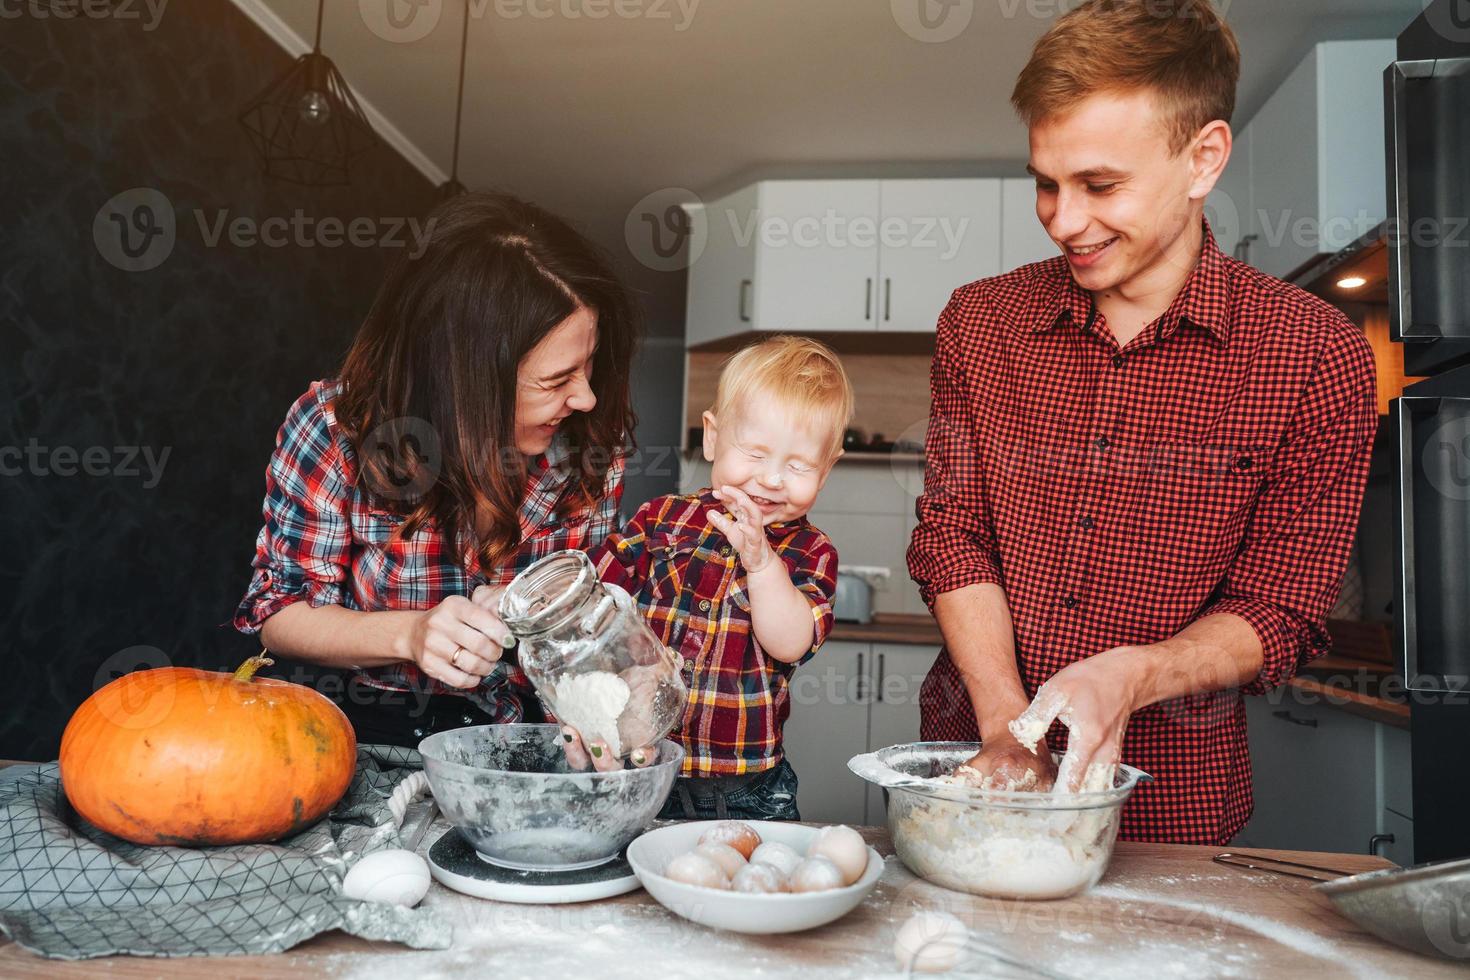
{"type": "Point", "coordinates": [1145, 459]}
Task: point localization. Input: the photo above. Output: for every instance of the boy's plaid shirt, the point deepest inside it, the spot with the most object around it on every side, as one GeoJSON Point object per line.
{"type": "Point", "coordinates": [692, 589]}
{"type": "Point", "coordinates": [328, 541]}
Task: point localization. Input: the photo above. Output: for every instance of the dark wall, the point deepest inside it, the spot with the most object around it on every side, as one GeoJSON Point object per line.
{"type": "Point", "coordinates": [199, 357]}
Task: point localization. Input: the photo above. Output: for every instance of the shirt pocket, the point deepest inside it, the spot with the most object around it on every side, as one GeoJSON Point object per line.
{"type": "Point", "coordinates": [1197, 498]}
{"type": "Point", "coordinates": [669, 558]}
{"type": "Point", "coordinates": [374, 527]}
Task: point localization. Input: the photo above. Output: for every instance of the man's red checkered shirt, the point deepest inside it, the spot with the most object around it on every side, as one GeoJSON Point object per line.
{"type": "Point", "coordinates": [328, 541]}
{"type": "Point", "coordinates": [1215, 464]}
{"type": "Point", "coordinates": [692, 590]}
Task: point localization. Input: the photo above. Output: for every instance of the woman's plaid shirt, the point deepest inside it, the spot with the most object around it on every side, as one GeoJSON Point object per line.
{"type": "Point", "coordinates": [692, 589]}
{"type": "Point", "coordinates": [327, 540]}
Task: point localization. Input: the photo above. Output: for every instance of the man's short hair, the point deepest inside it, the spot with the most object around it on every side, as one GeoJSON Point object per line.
{"type": "Point", "coordinates": [1181, 50]}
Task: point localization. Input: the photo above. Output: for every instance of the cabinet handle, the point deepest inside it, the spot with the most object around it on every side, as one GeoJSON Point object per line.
{"type": "Point", "coordinates": [1243, 247]}
{"type": "Point", "coordinates": [1376, 841]}
{"type": "Point", "coordinates": [1288, 716]}
{"type": "Point", "coordinates": [878, 694]}
{"type": "Point", "coordinates": [744, 292]}
{"type": "Point", "coordinates": [887, 299]}
{"type": "Point", "coordinates": [858, 691]}
{"type": "Point", "coordinates": [868, 303]}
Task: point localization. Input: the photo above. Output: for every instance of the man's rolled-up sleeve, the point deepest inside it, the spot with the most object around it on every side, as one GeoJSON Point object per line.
{"type": "Point", "coordinates": [1290, 566]}
{"type": "Point", "coordinates": [954, 542]}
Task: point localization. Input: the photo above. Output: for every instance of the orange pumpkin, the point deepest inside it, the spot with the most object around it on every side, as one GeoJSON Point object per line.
{"type": "Point", "coordinates": [190, 757]}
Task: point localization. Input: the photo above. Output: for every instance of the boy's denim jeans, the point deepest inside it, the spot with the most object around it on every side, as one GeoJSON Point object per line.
{"type": "Point", "coordinates": [769, 795]}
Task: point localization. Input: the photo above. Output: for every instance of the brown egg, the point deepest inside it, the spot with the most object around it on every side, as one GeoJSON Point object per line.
{"type": "Point", "coordinates": [734, 833]}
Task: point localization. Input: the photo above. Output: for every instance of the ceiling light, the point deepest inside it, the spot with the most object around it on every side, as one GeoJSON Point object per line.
{"type": "Point", "coordinates": [1351, 282]}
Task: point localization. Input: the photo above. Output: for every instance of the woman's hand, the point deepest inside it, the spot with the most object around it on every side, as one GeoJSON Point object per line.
{"type": "Point", "coordinates": [459, 641]}
{"type": "Point", "coordinates": [598, 755]}
{"type": "Point", "coordinates": [743, 528]}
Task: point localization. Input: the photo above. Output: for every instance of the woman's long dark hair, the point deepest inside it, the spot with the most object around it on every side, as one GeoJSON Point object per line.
{"type": "Point", "coordinates": [429, 385]}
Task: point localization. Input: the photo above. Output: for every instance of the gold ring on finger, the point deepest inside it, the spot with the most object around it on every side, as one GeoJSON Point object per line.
{"type": "Point", "coordinates": [454, 657]}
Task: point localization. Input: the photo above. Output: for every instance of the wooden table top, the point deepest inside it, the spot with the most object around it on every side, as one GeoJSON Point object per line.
{"type": "Point", "coordinates": [1161, 909]}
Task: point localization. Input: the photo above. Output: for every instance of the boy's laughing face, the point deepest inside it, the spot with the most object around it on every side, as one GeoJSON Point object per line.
{"type": "Point", "coordinates": [766, 452]}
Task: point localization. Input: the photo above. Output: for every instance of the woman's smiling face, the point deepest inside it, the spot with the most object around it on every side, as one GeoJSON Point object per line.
{"type": "Point", "coordinates": [555, 380]}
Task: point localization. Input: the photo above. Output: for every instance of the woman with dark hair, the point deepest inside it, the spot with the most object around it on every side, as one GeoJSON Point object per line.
{"type": "Point", "coordinates": [480, 422]}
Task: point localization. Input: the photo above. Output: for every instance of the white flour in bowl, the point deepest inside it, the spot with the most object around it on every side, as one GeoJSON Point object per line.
{"type": "Point", "coordinates": [1006, 853]}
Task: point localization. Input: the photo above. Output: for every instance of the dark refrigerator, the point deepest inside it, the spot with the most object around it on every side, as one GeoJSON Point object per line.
{"type": "Point", "coordinates": [1427, 104]}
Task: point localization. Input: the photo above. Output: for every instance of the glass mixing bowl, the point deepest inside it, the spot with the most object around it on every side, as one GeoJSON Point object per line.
{"type": "Point", "coordinates": [987, 842]}
{"type": "Point", "coordinates": [509, 791]}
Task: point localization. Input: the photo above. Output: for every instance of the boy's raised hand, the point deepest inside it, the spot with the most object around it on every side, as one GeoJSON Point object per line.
{"type": "Point", "coordinates": [743, 528]}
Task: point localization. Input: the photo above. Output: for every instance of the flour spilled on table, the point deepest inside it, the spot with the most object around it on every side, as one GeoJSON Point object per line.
{"type": "Point", "coordinates": [613, 940]}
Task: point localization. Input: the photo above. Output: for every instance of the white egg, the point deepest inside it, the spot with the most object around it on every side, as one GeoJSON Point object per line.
{"type": "Point", "coordinates": [696, 869]}
{"type": "Point", "coordinates": [782, 857]}
{"type": "Point", "coordinates": [845, 848]}
{"type": "Point", "coordinates": [930, 942]}
{"type": "Point", "coordinates": [816, 874]}
{"type": "Point", "coordinates": [729, 859]}
{"type": "Point", "coordinates": [394, 877]}
{"type": "Point", "coordinates": [759, 879]}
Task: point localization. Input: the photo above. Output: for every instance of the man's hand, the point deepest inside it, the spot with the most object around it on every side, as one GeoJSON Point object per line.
{"type": "Point", "coordinates": [1006, 763]}
{"type": "Point", "coordinates": [1094, 698]}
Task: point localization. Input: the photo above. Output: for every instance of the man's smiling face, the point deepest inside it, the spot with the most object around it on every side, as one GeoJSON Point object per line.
{"type": "Point", "coordinates": [1111, 192]}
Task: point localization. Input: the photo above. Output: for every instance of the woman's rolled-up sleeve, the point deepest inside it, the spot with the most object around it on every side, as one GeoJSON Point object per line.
{"type": "Point", "coordinates": [303, 549]}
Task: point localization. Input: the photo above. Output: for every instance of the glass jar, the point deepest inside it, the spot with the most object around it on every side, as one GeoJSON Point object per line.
{"type": "Point", "coordinates": [595, 663]}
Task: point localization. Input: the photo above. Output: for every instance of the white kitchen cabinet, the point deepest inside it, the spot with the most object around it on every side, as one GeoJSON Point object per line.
{"type": "Point", "coordinates": [1317, 158]}
{"type": "Point", "coordinates": [829, 725]}
{"type": "Point", "coordinates": [935, 236]}
{"type": "Point", "coordinates": [1022, 238]}
{"type": "Point", "coordinates": [722, 277]}
{"type": "Point", "coordinates": [1319, 776]}
{"type": "Point", "coordinates": [898, 672]}
{"type": "Point", "coordinates": [818, 256]}
{"type": "Point", "coordinates": [1229, 207]}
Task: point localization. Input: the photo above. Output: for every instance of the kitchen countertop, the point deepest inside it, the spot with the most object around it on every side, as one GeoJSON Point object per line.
{"type": "Point", "coordinates": [1353, 679]}
{"type": "Point", "coordinates": [1161, 909]}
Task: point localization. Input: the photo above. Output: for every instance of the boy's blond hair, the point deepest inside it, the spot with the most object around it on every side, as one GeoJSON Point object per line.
{"type": "Point", "coordinates": [1181, 50]}
{"type": "Point", "coordinates": [804, 375]}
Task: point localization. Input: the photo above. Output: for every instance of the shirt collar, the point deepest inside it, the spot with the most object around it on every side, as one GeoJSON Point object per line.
{"type": "Point", "coordinates": [1204, 301]}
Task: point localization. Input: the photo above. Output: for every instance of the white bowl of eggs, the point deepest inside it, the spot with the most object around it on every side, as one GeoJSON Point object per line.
{"type": "Point", "coordinates": [760, 877]}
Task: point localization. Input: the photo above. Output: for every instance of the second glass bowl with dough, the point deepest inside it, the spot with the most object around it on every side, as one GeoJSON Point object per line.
{"type": "Point", "coordinates": [1026, 845]}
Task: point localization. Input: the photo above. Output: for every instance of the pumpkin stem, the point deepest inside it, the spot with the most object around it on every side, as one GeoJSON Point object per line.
{"type": "Point", "coordinates": [246, 671]}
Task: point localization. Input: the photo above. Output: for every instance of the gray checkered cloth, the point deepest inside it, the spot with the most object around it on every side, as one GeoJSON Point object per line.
{"type": "Point", "coordinates": [70, 891]}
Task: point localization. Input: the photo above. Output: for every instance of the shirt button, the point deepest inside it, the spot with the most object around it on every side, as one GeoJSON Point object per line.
{"type": "Point", "coordinates": [466, 719]}
{"type": "Point", "coordinates": [725, 551]}
{"type": "Point", "coordinates": [1103, 442]}
{"type": "Point", "coordinates": [1118, 360]}
{"type": "Point", "coordinates": [1070, 602]}
{"type": "Point", "coordinates": [1087, 523]}
{"type": "Point", "coordinates": [704, 605]}
{"type": "Point", "coordinates": [1245, 463]}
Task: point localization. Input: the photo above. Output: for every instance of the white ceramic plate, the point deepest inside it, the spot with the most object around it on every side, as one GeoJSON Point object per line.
{"type": "Point", "coordinates": [737, 911]}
